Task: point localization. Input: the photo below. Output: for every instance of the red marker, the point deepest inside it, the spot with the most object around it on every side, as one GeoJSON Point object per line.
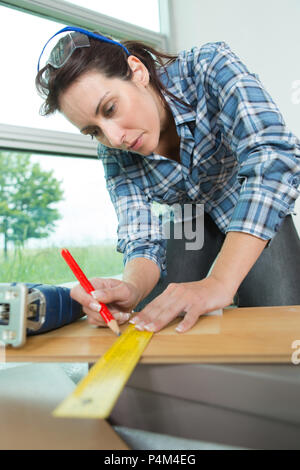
{"type": "Point", "coordinates": [85, 283]}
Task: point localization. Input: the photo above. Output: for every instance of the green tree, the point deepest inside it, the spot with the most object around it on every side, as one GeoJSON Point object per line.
{"type": "Point", "coordinates": [26, 195]}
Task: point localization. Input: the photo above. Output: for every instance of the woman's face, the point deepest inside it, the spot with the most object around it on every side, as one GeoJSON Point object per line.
{"type": "Point", "coordinates": [126, 115]}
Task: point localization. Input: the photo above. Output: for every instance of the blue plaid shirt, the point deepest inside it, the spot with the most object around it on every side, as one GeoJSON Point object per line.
{"type": "Point", "coordinates": [238, 158]}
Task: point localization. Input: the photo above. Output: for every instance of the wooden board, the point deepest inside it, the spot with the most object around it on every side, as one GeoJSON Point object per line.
{"type": "Point", "coordinates": [28, 395]}
{"type": "Point", "coordinates": [48, 433]}
{"type": "Point", "coordinates": [241, 335]}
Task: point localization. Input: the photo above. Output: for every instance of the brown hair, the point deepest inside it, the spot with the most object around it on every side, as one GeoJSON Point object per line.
{"type": "Point", "coordinates": [111, 60]}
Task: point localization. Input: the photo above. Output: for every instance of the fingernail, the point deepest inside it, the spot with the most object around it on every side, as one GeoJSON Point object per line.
{"type": "Point", "coordinates": [140, 326]}
{"type": "Point", "coordinates": [133, 320]}
{"type": "Point", "coordinates": [97, 293]}
{"type": "Point", "coordinates": [126, 316]}
{"type": "Point", "coordinates": [150, 327]}
{"type": "Point", "coordinates": [121, 316]}
{"type": "Point", "coordinates": [179, 328]}
{"type": "Point", "coordinates": [95, 307]}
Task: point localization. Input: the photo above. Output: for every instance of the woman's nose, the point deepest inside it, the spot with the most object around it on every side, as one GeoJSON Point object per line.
{"type": "Point", "coordinates": [114, 134]}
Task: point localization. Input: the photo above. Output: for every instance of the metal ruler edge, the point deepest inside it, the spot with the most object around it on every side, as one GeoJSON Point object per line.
{"type": "Point", "coordinates": [96, 394]}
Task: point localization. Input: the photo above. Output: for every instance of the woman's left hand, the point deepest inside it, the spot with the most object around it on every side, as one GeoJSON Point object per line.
{"type": "Point", "coordinates": [191, 298]}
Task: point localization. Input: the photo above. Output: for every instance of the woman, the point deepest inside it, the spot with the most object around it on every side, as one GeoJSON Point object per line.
{"type": "Point", "coordinates": [197, 128]}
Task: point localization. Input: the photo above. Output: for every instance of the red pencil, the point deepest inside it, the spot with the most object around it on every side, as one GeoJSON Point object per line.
{"type": "Point", "coordinates": [85, 283]}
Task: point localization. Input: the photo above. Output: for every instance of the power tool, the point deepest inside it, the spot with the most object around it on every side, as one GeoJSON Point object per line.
{"type": "Point", "coordinates": [30, 309]}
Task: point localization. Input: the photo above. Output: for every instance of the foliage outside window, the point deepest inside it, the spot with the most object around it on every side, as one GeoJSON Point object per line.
{"type": "Point", "coordinates": [34, 200]}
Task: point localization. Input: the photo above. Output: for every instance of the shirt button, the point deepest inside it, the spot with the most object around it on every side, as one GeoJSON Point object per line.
{"type": "Point", "coordinates": [277, 227]}
{"type": "Point", "coordinates": [281, 214]}
{"type": "Point", "coordinates": [295, 181]}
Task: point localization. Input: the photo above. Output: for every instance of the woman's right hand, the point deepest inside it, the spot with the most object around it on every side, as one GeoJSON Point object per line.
{"type": "Point", "coordinates": [120, 298]}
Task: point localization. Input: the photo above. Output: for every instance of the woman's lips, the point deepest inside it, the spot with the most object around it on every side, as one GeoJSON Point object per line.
{"type": "Point", "coordinates": [137, 143]}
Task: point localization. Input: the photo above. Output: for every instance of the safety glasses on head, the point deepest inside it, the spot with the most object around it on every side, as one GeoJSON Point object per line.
{"type": "Point", "coordinates": [77, 37]}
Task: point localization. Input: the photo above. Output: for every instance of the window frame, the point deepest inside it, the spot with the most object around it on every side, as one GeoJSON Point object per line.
{"type": "Point", "coordinates": [31, 139]}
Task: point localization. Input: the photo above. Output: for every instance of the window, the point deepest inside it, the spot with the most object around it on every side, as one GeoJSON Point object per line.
{"type": "Point", "coordinates": [50, 202]}
{"type": "Point", "coordinates": [87, 225]}
{"type": "Point", "coordinates": [27, 34]}
{"type": "Point", "coordinates": [140, 13]}
{"type": "Point", "coordinates": [19, 100]}
{"type": "Point", "coordinates": [27, 26]}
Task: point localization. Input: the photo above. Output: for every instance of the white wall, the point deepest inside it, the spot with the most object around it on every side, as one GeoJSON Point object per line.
{"type": "Point", "coordinates": [265, 34]}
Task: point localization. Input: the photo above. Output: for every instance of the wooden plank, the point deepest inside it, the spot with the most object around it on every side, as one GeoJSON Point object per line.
{"type": "Point", "coordinates": [28, 395]}
{"type": "Point", "coordinates": [256, 334]}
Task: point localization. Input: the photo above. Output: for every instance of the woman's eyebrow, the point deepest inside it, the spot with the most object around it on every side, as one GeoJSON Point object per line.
{"type": "Point", "coordinates": [96, 111]}
{"type": "Point", "coordinates": [99, 104]}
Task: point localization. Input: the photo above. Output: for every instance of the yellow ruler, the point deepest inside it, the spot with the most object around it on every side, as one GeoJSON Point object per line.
{"type": "Point", "coordinates": [96, 394]}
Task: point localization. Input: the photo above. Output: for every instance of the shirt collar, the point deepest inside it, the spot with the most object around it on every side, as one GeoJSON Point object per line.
{"type": "Point", "coordinates": [182, 114]}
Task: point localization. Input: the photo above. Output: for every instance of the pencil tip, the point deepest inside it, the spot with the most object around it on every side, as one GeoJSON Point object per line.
{"type": "Point", "coordinates": [114, 327]}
